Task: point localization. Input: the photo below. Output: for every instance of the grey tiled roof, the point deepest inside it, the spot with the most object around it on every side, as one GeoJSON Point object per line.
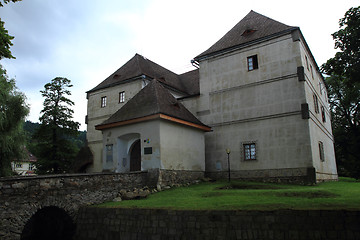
{"type": "Point", "coordinates": [152, 99]}
{"type": "Point", "coordinates": [138, 66]}
{"type": "Point", "coordinates": [190, 80]}
{"type": "Point", "coordinates": [252, 27]}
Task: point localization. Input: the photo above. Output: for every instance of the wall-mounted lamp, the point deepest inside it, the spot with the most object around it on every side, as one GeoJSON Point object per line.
{"type": "Point", "coordinates": [228, 158]}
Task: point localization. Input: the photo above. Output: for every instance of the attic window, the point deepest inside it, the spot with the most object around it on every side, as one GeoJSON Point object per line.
{"type": "Point", "coordinates": [248, 32]}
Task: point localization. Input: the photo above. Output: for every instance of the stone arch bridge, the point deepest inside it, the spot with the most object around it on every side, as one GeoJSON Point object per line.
{"type": "Point", "coordinates": [22, 197]}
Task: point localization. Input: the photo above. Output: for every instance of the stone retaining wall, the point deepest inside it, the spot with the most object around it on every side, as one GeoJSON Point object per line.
{"type": "Point", "coordinates": [288, 175]}
{"type": "Point", "coordinates": [131, 224]}
{"type": "Point", "coordinates": [175, 177]}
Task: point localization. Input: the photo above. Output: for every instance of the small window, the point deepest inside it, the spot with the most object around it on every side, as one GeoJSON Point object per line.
{"type": "Point", "coordinates": [249, 151]}
{"type": "Point", "coordinates": [252, 62]}
{"type": "Point", "coordinates": [321, 151]}
{"type": "Point", "coordinates": [103, 102]}
{"type": "Point", "coordinates": [121, 97]}
{"type": "Point", "coordinates": [18, 165]}
{"type": "Point", "coordinates": [109, 153]}
{"type": "Point", "coordinates": [311, 70]}
{"type": "Point", "coordinates": [323, 114]}
{"type": "Point", "coordinates": [307, 62]}
{"type": "Point", "coordinates": [316, 103]}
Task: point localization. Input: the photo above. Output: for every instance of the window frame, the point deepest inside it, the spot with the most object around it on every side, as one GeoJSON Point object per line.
{"type": "Point", "coordinates": [103, 101]}
{"type": "Point", "coordinates": [321, 151]}
{"type": "Point", "coordinates": [252, 63]}
{"type": "Point", "coordinates": [122, 97]}
{"type": "Point", "coordinates": [316, 103]}
{"type": "Point", "coordinates": [307, 62]}
{"type": "Point", "coordinates": [253, 154]}
{"type": "Point", "coordinates": [323, 116]}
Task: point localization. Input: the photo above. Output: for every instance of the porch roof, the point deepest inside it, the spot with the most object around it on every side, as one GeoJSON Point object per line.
{"type": "Point", "coordinates": [153, 102]}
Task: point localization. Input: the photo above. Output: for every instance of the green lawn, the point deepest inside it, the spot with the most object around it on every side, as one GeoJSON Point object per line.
{"type": "Point", "coordinates": [344, 194]}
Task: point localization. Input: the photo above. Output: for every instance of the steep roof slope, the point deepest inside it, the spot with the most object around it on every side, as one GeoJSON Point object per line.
{"type": "Point", "coordinates": [138, 66]}
{"type": "Point", "coordinates": [152, 99]}
{"type": "Point", "coordinates": [252, 27]}
{"type": "Point", "coordinates": [191, 82]}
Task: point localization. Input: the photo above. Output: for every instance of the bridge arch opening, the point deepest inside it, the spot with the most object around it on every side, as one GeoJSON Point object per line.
{"type": "Point", "coordinates": [49, 223]}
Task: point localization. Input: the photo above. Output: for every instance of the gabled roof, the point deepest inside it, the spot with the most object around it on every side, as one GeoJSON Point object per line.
{"type": "Point", "coordinates": [138, 67]}
{"type": "Point", "coordinates": [252, 27]}
{"type": "Point", "coordinates": [152, 102]}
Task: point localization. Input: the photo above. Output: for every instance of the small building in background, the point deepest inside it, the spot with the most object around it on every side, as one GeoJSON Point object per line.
{"type": "Point", "coordinates": [25, 166]}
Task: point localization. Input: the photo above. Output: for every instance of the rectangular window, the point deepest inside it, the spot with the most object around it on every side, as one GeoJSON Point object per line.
{"type": "Point", "coordinates": [249, 151]}
{"type": "Point", "coordinates": [307, 62]}
{"type": "Point", "coordinates": [252, 62]}
{"type": "Point", "coordinates": [316, 103]}
{"type": "Point", "coordinates": [103, 102]}
{"type": "Point", "coordinates": [18, 165]}
{"type": "Point", "coordinates": [121, 97]}
{"type": "Point", "coordinates": [109, 153]}
{"type": "Point", "coordinates": [321, 151]}
{"type": "Point", "coordinates": [323, 114]}
{"type": "Point", "coordinates": [311, 70]}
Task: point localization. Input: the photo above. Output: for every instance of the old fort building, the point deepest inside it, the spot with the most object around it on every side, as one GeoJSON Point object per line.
{"type": "Point", "coordinates": [257, 91]}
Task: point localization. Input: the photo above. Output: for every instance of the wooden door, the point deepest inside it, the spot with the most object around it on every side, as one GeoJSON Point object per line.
{"type": "Point", "coordinates": [135, 156]}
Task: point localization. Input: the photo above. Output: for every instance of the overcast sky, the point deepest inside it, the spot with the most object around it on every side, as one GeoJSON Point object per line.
{"type": "Point", "coordinates": [85, 41]}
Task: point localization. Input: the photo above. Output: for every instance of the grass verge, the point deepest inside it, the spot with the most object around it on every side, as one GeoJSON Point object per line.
{"type": "Point", "coordinates": [220, 195]}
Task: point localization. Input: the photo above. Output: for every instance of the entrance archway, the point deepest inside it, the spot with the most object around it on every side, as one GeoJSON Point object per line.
{"type": "Point", "coordinates": [135, 156]}
{"type": "Point", "coordinates": [49, 223]}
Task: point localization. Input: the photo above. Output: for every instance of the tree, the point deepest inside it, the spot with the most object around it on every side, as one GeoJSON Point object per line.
{"type": "Point", "coordinates": [343, 84]}
{"type": "Point", "coordinates": [6, 1]}
{"type": "Point", "coordinates": [13, 110]}
{"type": "Point", "coordinates": [5, 42]}
{"type": "Point", "coordinates": [346, 62]}
{"type": "Point", "coordinates": [5, 38]}
{"type": "Point", "coordinates": [54, 150]}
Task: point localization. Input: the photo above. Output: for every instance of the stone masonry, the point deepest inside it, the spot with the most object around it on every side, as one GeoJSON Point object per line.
{"type": "Point", "coordinates": [22, 197]}
{"type": "Point", "coordinates": [158, 224]}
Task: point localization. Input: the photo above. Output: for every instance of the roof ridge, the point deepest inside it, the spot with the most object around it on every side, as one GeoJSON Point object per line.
{"type": "Point", "coordinates": [235, 37]}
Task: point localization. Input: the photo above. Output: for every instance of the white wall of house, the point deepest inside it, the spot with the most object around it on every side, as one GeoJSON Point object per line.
{"type": "Point", "coordinates": [23, 168]}
{"type": "Point", "coordinates": [320, 121]}
{"type": "Point", "coordinates": [173, 146]}
{"type": "Point", "coordinates": [261, 106]}
{"type": "Point", "coordinates": [96, 114]}
{"type": "Point", "coordinates": [122, 137]}
{"type": "Point", "coordinates": [182, 147]}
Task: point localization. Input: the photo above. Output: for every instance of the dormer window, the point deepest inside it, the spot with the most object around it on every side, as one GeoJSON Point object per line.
{"type": "Point", "coordinates": [248, 32]}
{"type": "Point", "coordinates": [252, 63]}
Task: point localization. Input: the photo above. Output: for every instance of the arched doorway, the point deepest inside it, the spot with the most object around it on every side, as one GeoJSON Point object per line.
{"type": "Point", "coordinates": [135, 156]}
{"type": "Point", "coordinates": [49, 223]}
